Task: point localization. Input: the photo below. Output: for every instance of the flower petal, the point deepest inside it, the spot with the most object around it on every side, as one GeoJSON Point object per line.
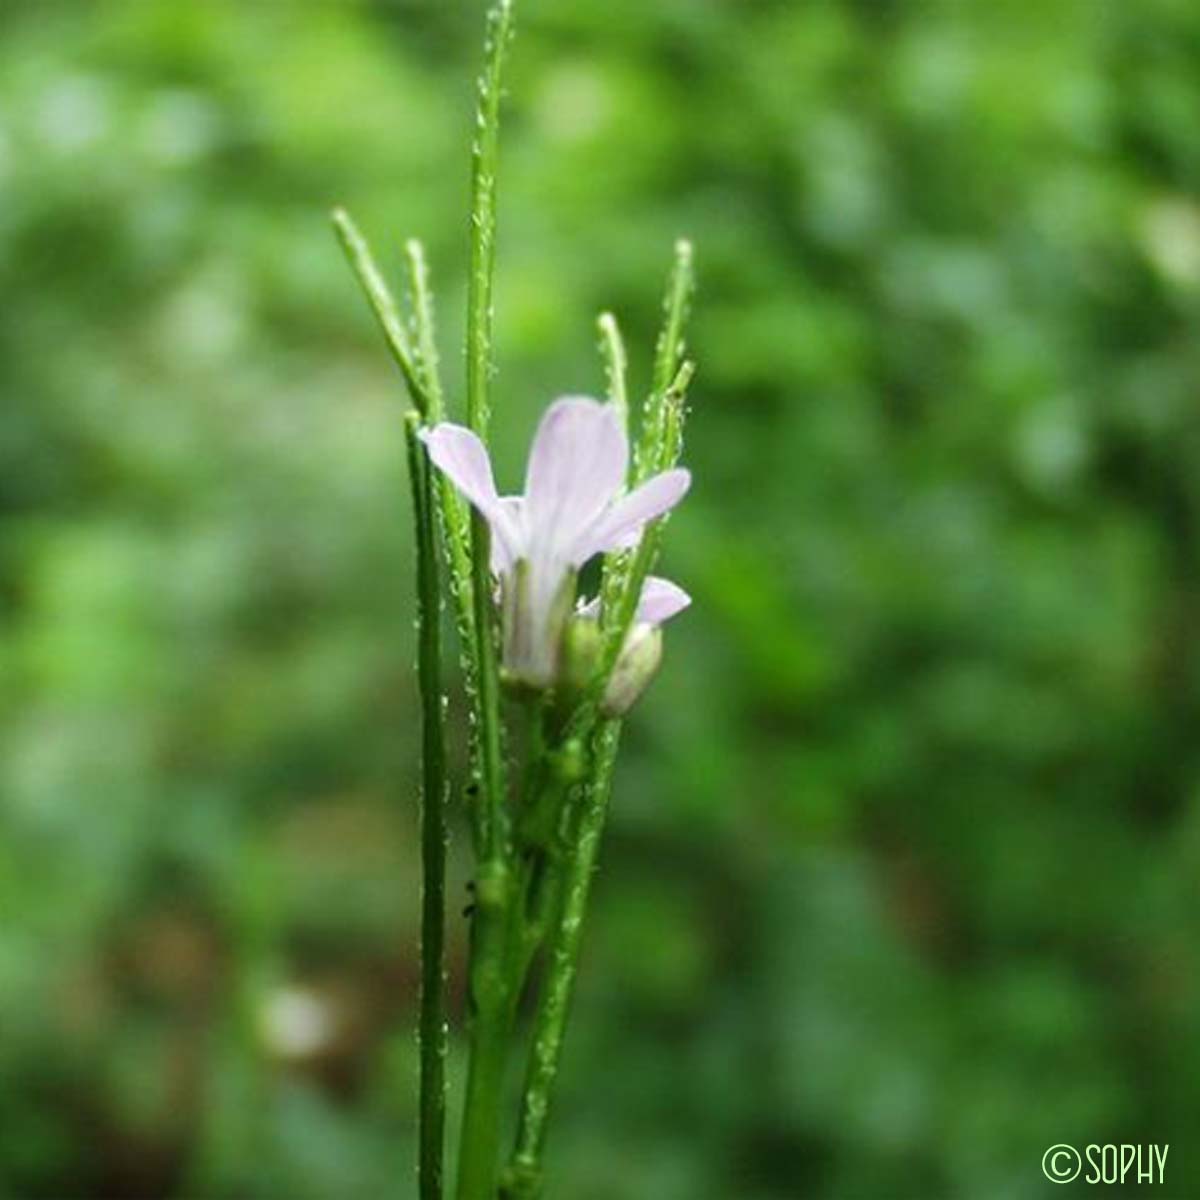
{"type": "Point", "coordinates": [459, 453]}
{"type": "Point", "coordinates": [464, 458]}
{"type": "Point", "coordinates": [507, 546]}
{"type": "Point", "coordinates": [629, 514]}
{"type": "Point", "coordinates": [576, 465]}
{"type": "Point", "coordinates": [661, 600]}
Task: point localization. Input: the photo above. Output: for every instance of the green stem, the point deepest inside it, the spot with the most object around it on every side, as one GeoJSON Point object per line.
{"type": "Point", "coordinates": [432, 1026]}
{"type": "Point", "coordinates": [424, 328]}
{"type": "Point", "coordinates": [668, 356]}
{"type": "Point", "coordinates": [452, 509]}
{"type": "Point", "coordinates": [612, 350]}
{"type": "Point", "coordinates": [492, 1000]}
{"type": "Point", "coordinates": [485, 156]}
{"type": "Point", "coordinates": [658, 448]}
{"type": "Point", "coordinates": [484, 160]}
{"type": "Point", "coordinates": [496, 922]}
{"type": "Point", "coordinates": [370, 278]}
{"type": "Point", "coordinates": [523, 1179]}
{"type": "Point", "coordinates": [480, 1147]}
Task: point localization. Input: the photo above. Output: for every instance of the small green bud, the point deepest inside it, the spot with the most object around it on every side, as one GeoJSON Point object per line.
{"type": "Point", "coordinates": [582, 646]}
{"type": "Point", "coordinates": [571, 761]}
{"type": "Point", "coordinates": [636, 667]}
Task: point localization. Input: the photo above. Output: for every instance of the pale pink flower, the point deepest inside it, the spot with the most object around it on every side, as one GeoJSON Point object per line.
{"type": "Point", "coordinates": [641, 652]}
{"type": "Point", "coordinates": [573, 508]}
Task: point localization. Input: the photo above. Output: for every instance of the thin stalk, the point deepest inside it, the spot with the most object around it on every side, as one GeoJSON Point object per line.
{"type": "Point", "coordinates": [453, 511]}
{"type": "Point", "coordinates": [612, 351]}
{"type": "Point", "coordinates": [668, 356]}
{"type": "Point", "coordinates": [658, 447]}
{"type": "Point", "coordinates": [523, 1179]}
{"type": "Point", "coordinates": [485, 155]}
{"type": "Point", "coordinates": [674, 407]}
{"type": "Point", "coordinates": [496, 920]}
{"type": "Point", "coordinates": [358, 254]}
{"type": "Point", "coordinates": [432, 1025]}
{"type": "Point", "coordinates": [484, 161]}
{"type": "Point", "coordinates": [424, 328]}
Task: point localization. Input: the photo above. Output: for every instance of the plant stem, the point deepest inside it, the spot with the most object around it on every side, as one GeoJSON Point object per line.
{"type": "Point", "coordinates": [484, 160]}
{"type": "Point", "coordinates": [485, 154]}
{"type": "Point", "coordinates": [492, 999]}
{"type": "Point", "coordinates": [668, 355]}
{"type": "Point", "coordinates": [480, 1146]}
{"type": "Point", "coordinates": [424, 328]}
{"type": "Point", "coordinates": [452, 509]}
{"type": "Point", "coordinates": [432, 1026]}
{"type": "Point", "coordinates": [370, 278]}
{"type": "Point", "coordinates": [523, 1179]}
{"type": "Point", "coordinates": [612, 350]}
{"type": "Point", "coordinates": [495, 924]}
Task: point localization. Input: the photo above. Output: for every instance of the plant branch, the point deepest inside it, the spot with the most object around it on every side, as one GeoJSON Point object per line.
{"type": "Point", "coordinates": [523, 1179]}
{"type": "Point", "coordinates": [452, 509]}
{"type": "Point", "coordinates": [432, 1026]}
{"type": "Point", "coordinates": [370, 278]}
{"type": "Point", "coordinates": [668, 356]}
{"type": "Point", "coordinates": [612, 350]}
{"type": "Point", "coordinates": [484, 161]}
{"type": "Point", "coordinates": [496, 922]}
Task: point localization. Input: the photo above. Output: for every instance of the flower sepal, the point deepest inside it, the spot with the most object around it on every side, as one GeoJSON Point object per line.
{"type": "Point", "coordinates": [532, 629]}
{"type": "Point", "coordinates": [581, 656]}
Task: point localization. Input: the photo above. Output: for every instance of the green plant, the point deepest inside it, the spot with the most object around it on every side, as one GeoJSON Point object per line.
{"type": "Point", "coordinates": [547, 680]}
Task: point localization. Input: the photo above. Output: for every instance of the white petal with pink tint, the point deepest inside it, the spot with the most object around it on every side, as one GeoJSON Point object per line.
{"type": "Point", "coordinates": [464, 459]}
{"type": "Point", "coordinates": [576, 466]}
{"type": "Point", "coordinates": [661, 600]}
{"type": "Point", "coordinates": [571, 511]}
{"type": "Point", "coordinates": [627, 517]}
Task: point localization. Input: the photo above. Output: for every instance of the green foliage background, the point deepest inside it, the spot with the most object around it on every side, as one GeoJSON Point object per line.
{"type": "Point", "coordinates": [901, 882]}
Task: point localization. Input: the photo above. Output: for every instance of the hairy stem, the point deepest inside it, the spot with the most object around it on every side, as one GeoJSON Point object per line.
{"type": "Point", "coordinates": [419, 366]}
{"type": "Point", "coordinates": [492, 1000]}
{"type": "Point", "coordinates": [484, 160]}
{"type": "Point", "coordinates": [612, 351]}
{"type": "Point", "coordinates": [668, 355]}
{"type": "Point", "coordinates": [523, 1179]}
{"type": "Point", "coordinates": [452, 509]}
{"type": "Point", "coordinates": [432, 1025]}
{"type": "Point", "coordinates": [370, 278]}
{"type": "Point", "coordinates": [485, 155]}
{"type": "Point", "coordinates": [492, 992]}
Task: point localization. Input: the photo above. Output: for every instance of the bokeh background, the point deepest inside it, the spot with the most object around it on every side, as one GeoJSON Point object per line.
{"type": "Point", "coordinates": [901, 886]}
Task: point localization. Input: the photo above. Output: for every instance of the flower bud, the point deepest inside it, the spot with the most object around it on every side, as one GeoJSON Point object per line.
{"type": "Point", "coordinates": [638, 662]}
{"type": "Point", "coordinates": [582, 646]}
